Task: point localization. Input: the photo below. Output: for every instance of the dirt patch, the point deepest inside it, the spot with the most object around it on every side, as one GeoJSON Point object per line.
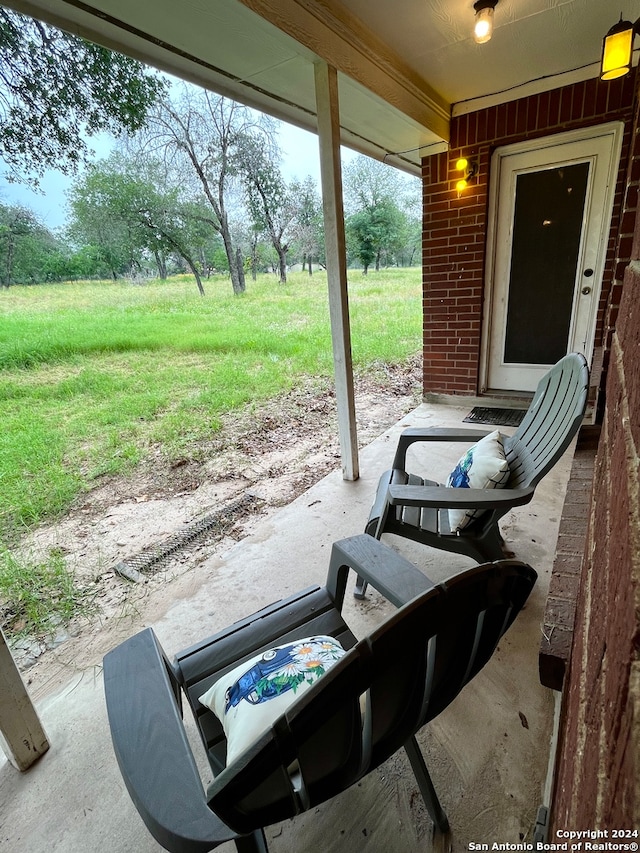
{"type": "Point", "coordinates": [185, 511]}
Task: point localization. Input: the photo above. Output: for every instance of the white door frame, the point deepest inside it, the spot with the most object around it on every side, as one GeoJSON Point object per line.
{"type": "Point", "coordinates": [615, 131]}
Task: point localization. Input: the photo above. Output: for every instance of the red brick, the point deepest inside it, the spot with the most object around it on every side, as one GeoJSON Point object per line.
{"type": "Point", "coordinates": [615, 92]}
{"type": "Point", "coordinates": [631, 197]}
{"type": "Point", "coordinates": [628, 222]}
{"type": "Point", "coordinates": [566, 105]}
{"type": "Point", "coordinates": [501, 121]}
{"type": "Point", "coordinates": [492, 123]}
{"type": "Point", "coordinates": [590, 97]}
{"type": "Point", "coordinates": [578, 99]}
{"type": "Point", "coordinates": [602, 93]}
{"type": "Point", "coordinates": [543, 109]}
{"type": "Point", "coordinates": [481, 126]}
{"type": "Point", "coordinates": [455, 228]}
{"type": "Point", "coordinates": [554, 107]}
{"type": "Point", "coordinates": [511, 118]}
{"type": "Point", "coordinates": [556, 640]}
{"type": "Point", "coordinates": [560, 612]}
{"type": "Point", "coordinates": [634, 173]}
{"type": "Point", "coordinates": [569, 544]}
{"type": "Point", "coordinates": [625, 246]}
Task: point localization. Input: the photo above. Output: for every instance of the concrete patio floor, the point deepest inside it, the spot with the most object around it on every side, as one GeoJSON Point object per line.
{"type": "Point", "coordinates": [488, 753]}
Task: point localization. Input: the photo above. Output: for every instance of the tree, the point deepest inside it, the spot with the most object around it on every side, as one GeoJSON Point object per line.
{"type": "Point", "coordinates": [256, 251]}
{"type": "Point", "coordinates": [410, 243]}
{"type": "Point", "coordinates": [360, 232]}
{"type": "Point", "coordinates": [67, 265]}
{"type": "Point", "coordinates": [96, 217]}
{"type": "Point", "coordinates": [200, 137]}
{"type": "Point", "coordinates": [375, 232]}
{"type": "Point", "coordinates": [124, 206]}
{"type": "Point", "coordinates": [15, 222]}
{"type": "Point", "coordinates": [57, 89]}
{"type": "Point", "coordinates": [271, 204]}
{"type": "Point", "coordinates": [376, 222]}
{"type": "Point", "coordinates": [25, 247]}
{"type": "Point", "coordinates": [308, 225]}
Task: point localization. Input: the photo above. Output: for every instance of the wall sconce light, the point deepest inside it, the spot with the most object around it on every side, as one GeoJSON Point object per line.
{"type": "Point", "coordinates": [483, 26]}
{"type": "Point", "coordinates": [617, 50]}
{"type": "Point", "coordinates": [469, 168]}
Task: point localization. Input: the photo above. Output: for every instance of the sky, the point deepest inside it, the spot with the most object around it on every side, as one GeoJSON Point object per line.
{"type": "Point", "coordinates": [300, 158]}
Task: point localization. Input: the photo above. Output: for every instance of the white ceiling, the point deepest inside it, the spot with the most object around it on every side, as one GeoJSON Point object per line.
{"type": "Point", "coordinates": [404, 65]}
{"type": "Point", "coordinates": [532, 39]}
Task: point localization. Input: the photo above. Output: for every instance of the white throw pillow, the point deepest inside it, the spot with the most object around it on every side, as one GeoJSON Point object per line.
{"type": "Point", "coordinates": [483, 466]}
{"type": "Point", "coordinates": [248, 699]}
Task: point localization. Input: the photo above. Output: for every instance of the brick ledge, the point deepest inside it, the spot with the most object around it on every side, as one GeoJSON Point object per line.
{"type": "Point", "coordinates": [560, 611]}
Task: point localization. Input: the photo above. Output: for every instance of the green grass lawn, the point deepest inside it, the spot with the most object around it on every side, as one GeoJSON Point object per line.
{"type": "Point", "coordinates": [93, 375]}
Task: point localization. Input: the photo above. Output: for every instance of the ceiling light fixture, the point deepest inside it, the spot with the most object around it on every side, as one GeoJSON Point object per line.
{"type": "Point", "coordinates": [483, 26]}
{"type": "Point", "coordinates": [617, 50]}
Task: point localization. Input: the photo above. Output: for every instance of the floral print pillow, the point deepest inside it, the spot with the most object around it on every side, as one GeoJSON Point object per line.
{"type": "Point", "coordinates": [248, 699]}
{"type": "Point", "coordinates": [483, 466]}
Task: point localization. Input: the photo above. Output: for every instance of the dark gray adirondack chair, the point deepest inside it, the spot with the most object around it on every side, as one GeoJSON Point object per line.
{"type": "Point", "coordinates": [418, 509]}
{"type": "Point", "coordinates": [408, 669]}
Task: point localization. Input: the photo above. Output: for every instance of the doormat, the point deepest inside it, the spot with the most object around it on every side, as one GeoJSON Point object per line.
{"type": "Point", "coordinates": [499, 417]}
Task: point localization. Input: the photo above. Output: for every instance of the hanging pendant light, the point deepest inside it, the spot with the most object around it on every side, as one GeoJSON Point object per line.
{"type": "Point", "coordinates": [483, 26]}
{"type": "Point", "coordinates": [617, 50]}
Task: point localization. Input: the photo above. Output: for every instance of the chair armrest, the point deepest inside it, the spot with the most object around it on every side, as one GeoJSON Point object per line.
{"type": "Point", "coordinates": [386, 570]}
{"type": "Point", "coordinates": [412, 434]}
{"type": "Point", "coordinates": [441, 497]}
{"type": "Point", "coordinates": [152, 749]}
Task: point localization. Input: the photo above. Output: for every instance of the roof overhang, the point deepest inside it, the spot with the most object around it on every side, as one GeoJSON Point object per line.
{"type": "Point", "coordinates": [262, 53]}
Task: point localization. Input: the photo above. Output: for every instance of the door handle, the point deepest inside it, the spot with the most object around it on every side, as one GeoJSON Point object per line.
{"type": "Point", "coordinates": [586, 291]}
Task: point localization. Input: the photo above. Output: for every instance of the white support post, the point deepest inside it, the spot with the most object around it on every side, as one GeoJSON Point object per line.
{"type": "Point", "coordinates": [21, 734]}
{"type": "Point", "coordinates": [326, 81]}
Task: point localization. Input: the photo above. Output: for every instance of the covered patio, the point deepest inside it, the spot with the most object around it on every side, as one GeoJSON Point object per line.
{"type": "Point", "coordinates": [489, 753]}
{"type": "Point", "coordinates": [412, 88]}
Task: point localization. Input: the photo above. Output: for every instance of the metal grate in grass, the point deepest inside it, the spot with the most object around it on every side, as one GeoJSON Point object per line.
{"type": "Point", "coordinates": [212, 527]}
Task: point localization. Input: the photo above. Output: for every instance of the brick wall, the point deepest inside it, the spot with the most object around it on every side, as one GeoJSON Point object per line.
{"type": "Point", "coordinates": [597, 780]}
{"type": "Point", "coordinates": [454, 229]}
{"type": "Point", "coordinates": [562, 599]}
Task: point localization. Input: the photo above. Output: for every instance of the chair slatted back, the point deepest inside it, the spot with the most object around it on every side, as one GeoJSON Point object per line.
{"type": "Point", "coordinates": [551, 422]}
{"type": "Point", "coordinates": [475, 610]}
{"type": "Point", "coordinates": [405, 673]}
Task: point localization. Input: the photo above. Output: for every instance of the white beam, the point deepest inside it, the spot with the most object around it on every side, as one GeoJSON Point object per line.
{"type": "Point", "coordinates": [336, 36]}
{"type": "Point", "coordinates": [21, 734]}
{"type": "Point", "coordinates": [326, 82]}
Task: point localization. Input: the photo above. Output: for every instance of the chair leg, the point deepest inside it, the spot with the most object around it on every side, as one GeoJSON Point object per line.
{"type": "Point", "coordinates": [360, 587]}
{"type": "Point", "coordinates": [254, 843]}
{"type": "Point", "coordinates": [372, 528]}
{"type": "Point", "coordinates": [425, 784]}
